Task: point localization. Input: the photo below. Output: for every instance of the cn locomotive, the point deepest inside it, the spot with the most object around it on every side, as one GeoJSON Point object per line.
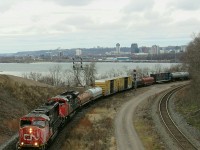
{"type": "Point", "coordinates": [38, 128]}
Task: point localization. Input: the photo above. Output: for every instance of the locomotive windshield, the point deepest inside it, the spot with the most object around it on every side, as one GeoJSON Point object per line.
{"type": "Point", "coordinates": [25, 123]}
{"type": "Point", "coordinates": [38, 123]}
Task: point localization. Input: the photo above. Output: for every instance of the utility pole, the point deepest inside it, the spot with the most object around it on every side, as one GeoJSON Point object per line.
{"type": "Point", "coordinates": [78, 63]}
{"type": "Point", "coordinates": [77, 67]}
{"type": "Point", "coordinates": [134, 79]}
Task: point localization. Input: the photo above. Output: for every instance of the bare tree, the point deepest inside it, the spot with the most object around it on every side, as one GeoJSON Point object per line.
{"type": "Point", "coordinates": [32, 75]}
{"type": "Point", "coordinates": [68, 76]}
{"type": "Point", "coordinates": [55, 74]}
{"type": "Point", "coordinates": [89, 73]}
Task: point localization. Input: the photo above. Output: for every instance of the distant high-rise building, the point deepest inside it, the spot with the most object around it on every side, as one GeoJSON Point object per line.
{"type": "Point", "coordinates": [118, 48]}
{"type": "Point", "coordinates": [78, 52]}
{"type": "Point", "coordinates": [60, 54]}
{"type": "Point", "coordinates": [183, 48]}
{"type": "Point", "coordinates": [144, 49]}
{"type": "Point", "coordinates": [155, 49]}
{"type": "Point", "coordinates": [134, 48]}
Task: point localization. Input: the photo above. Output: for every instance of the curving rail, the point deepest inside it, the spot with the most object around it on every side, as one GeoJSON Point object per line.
{"type": "Point", "coordinates": [181, 139]}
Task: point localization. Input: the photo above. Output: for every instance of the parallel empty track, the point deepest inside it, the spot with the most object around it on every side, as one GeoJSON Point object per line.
{"type": "Point", "coordinates": [181, 139]}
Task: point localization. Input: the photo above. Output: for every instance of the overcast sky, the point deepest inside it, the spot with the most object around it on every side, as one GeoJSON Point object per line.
{"type": "Point", "coordinates": [48, 24]}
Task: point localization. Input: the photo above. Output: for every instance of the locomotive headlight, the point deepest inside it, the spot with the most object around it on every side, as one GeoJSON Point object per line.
{"type": "Point", "coordinates": [22, 143]}
{"type": "Point", "coordinates": [36, 144]}
{"type": "Point", "coordinates": [30, 130]}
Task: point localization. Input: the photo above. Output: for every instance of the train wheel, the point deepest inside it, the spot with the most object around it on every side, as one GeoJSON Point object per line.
{"type": "Point", "coordinates": [43, 147]}
{"type": "Point", "coordinates": [17, 145]}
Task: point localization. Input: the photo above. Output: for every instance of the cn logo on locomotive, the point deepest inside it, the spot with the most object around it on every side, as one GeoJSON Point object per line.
{"type": "Point", "coordinates": [30, 137]}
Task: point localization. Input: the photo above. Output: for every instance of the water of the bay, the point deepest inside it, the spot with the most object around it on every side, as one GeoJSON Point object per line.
{"type": "Point", "coordinates": [18, 69]}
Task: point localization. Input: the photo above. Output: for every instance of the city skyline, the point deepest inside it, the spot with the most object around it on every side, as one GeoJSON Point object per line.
{"type": "Point", "coordinates": [49, 24]}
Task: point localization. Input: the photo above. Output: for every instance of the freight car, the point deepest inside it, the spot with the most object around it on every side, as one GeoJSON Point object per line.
{"type": "Point", "coordinates": [147, 81]}
{"type": "Point", "coordinates": [161, 77]}
{"type": "Point", "coordinates": [89, 95]}
{"type": "Point", "coordinates": [109, 86]}
{"type": "Point", "coordinates": [179, 76]}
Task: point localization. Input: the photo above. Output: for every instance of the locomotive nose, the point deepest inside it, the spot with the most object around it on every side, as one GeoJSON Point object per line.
{"type": "Point", "coordinates": [30, 136]}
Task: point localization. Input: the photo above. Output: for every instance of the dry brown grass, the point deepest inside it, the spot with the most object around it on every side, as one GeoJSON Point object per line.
{"type": "Point", "coordinates": [17, 98]}
{"type": "Point", "coordinates": [145, 127]}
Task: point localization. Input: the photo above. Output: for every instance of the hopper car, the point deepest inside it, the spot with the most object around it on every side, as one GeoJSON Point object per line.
{"type": "Point", "coordinates": [38, 128]}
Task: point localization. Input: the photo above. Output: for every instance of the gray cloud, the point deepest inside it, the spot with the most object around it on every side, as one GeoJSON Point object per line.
{"type": "Point", "coordinates": [138, 6]}
{"type": "Point", "coordinates": [72, 2]}
{"type": "Point", "coordinates": [6, 5]}
{"type": "Point", "coordinates": [185, 4]}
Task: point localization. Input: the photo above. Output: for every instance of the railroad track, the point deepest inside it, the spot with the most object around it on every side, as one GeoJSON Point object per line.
{"type": "Point", "coordinates": [172, 128]}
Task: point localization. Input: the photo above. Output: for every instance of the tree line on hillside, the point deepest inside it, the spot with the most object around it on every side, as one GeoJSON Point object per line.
{"type": "Point", "coordinates": [192, 60]}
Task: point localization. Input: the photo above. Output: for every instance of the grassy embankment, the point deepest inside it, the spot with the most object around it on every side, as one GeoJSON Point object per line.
{"type": "Point", "coordinates": [19, 96]}
{"type": "Point", "coordinates": [187, 104]}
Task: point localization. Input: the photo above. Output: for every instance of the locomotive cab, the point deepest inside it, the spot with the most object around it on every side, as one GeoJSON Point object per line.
{"type": "Point", "coordinates": [34, 131]}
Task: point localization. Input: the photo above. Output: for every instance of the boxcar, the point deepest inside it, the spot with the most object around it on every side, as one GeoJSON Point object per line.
{"type": "Point", "coordinates": [128, 82]}
{"type": "Point", "coordinates": [120, 83]}
{"type": "Point", "coordinates": [109, 86]}
{"type": "Point", "coordinates": [161, 77]}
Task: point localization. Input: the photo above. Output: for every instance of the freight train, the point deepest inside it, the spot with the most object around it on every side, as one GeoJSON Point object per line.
{"type": "Point", "coordinates": [38, 128]}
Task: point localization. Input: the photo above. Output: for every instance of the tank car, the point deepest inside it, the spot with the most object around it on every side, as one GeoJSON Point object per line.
{"type": "Point", "coordinates": [85, 97]}
{"type": "Point", "coordinates": [39, 126]}
{"type": "Point", "coordinates": [148, 80]}
{"type": "Point", "coordinates": [96, 92]}
{"type": "Point", "coordinates": [180, 76]}
{"type": "Point", "coordinates": [89, 95]}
